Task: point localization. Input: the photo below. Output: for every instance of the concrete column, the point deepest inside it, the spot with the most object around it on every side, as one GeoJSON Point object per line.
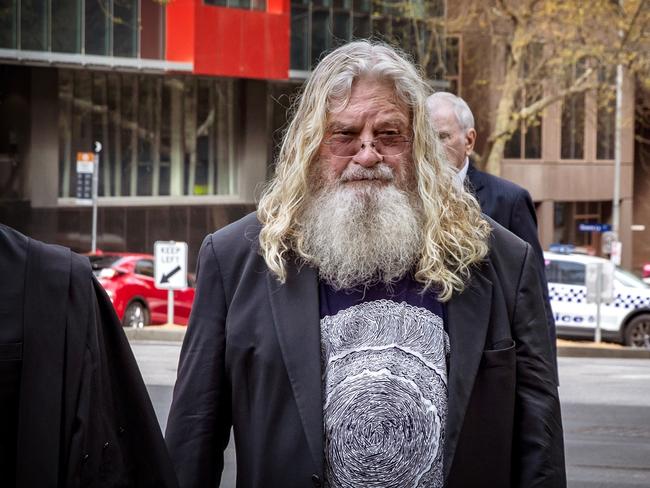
{"type": "Point", "coordinates": [42, 157]}
{"type": "Point", "coordinates": [254, 141]}
{"type": "Point", "coordinates": [545, 224]}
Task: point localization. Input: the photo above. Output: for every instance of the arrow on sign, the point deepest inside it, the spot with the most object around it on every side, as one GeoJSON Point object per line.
{"type": "Point", "coordinates": [165, 277]}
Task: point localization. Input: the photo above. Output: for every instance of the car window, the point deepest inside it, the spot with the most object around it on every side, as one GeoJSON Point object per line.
{"type": "Point", "coordinates": [628, 279]}
{"type": "Point", "coordinates": [103, 261]}
{"type": "Point", "coordinates": [144, 267]}
{"type": "Point", "coordinates": [565, 272]}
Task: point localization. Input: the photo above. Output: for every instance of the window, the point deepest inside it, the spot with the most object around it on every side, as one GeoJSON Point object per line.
{"type": "Point", "coordinates": [606, 115]}
{"type": "Point", "coordinates": [161, 135]}
{"type": "Point", "coordinates": [66, 34]}
{"type": "Point", "coordinates": [125, 28]}
{"type": "Point", "coordinates": [565, 273]}
{"type": "Point", "coordinates": [8, 23]}
{"type": "Point", "coordinates": [245, 4]}
{"type": "Point", "coordinates": [573, 120]}
{"type": "Point", "coordinates": [319, 26]}
{"type": "Point", "coordinates": [122, 28]}
{"type": "Point", "coordinates": [526, 141]}
{"type": "Point", "coordinates": [34, 22]}
{"type": "Point", "coordinates": [144, 267]}
{"type": "Point", "coordinates": [418, 28]}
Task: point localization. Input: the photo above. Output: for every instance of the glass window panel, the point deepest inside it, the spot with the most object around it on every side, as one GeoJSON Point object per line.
{"type": "Point", "coordinates": [100, 131]}
{"type": "Point", "coordinates": [513, 146]}
{"type": "Point", "coordinates": [165, 137]}
{"type": "Point", "coordinates": [452, 55]}
{"type": "Point", "coordinates": [361, 5]}
{"type": "Point", "coordinates": [217, 3]}
{"type": "Point", "coordinates": [115, 132]}
{"type": "Point", "coordinates": [321, 35]}
{"type": "Point", "coordinates": [33, 25]}
{"type": "Point", "coordinates": [67, 157]}
{"type": "Point", "coordinates": [258, 5]}
{"type": "Point", "coordinates": [8, 11]}
{"type": "Point", "coordinates": [299, 38]}
{"type": "Point", "coordinates": [361, 27]}
{"type": "Point", "coordinates": [533, 141]}
{"type": "Point", "coordinates": [573, 127]}
{"type": "Point", "coordinates": [145, 135]}
{"type": "Point", "coordinates": [125, 28]}
{"type": "Point", "coordinates": [97, 27]}
{"type": "Point", "coordinates": [239, 3]}
{"type": "Point", "coordinates": [66, 26]}
{"type": "Point", "coordinates": [341, 28]}
{"type": "Point", "coordinates": [152, 20]}
{"type": "Point", "coordinates": [606, 115]}
{"type": "Point", "coordinates": [129, 127]}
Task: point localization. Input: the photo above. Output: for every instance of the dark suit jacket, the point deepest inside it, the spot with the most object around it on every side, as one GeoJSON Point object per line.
{"type": "Point", "coordinates": [74, 410]}
{"type": "Point", "coordinates": [251, 359]}
{"type": "Point", "coordinates": [512, 207]}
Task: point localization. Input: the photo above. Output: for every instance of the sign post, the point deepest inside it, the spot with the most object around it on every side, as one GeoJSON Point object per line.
{"type": "Point", "coordinates": [600, 288]}
{"type": "Point", "coordinates": [98, 149]}
{"type": "Point", "coordinates": [170, 270]}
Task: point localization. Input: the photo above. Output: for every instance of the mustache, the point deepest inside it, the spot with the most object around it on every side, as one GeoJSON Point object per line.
{"type": "Point", "coordinates": [380, 172]}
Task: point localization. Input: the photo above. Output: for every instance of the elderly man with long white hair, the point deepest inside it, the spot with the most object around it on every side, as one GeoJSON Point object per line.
{"type": "Point", "coordinates": [367, 326]}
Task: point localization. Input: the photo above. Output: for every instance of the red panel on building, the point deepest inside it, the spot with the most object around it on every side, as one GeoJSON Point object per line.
{"type": "Point", "coordinates": [233, 42]}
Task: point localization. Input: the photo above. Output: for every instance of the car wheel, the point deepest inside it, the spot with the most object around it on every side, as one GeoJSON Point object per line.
{"type": "Point", "coordinates": [136, 315]}
{"type": "Point", "coordinates": [637, 332]}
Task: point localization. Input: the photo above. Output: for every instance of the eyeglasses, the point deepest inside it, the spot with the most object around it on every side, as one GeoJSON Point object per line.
{"type": "Point", "coordinates": [344, 146]}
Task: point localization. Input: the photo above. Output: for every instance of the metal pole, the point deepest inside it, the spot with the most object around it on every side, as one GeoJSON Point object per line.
{"type": "Point", "coordinates": [616, 199]}
{"type": "Point", "coordinates": [599, 299]}
{"type": "Point", "coordinates": [98, 149]}
{"type": "Point", "coordinates": [170, 306]}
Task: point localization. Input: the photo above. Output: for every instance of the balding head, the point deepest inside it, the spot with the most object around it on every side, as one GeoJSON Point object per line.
{"type": "Point", "coordinates": [454, 123]}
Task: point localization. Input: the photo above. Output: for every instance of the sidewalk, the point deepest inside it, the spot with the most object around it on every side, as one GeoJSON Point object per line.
{"type": "Point", "coordinates": [565, 348]}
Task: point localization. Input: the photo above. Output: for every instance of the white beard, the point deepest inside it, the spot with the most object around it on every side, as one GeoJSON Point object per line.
{"type": "Point", "coordinates": [361, 233]}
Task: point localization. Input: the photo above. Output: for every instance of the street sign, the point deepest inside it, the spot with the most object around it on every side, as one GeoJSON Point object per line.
{"type": "Point", "coordinates": [606, 241]}
{"type": "Point", "coordinates": [85, 172]}
{"type": "Point", "coordinates": [594, 227]}
{"type": "Point", "coordinates": [170, 265]}
{"type": "Point", "coordinates": [615, 255]}
{"type": "Point", "coordinates": [599, 279]}
{"type": "Point", "coordinates": [600, 282]}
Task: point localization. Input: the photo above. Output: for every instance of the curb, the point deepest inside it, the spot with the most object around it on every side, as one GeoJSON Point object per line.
{"type": "Point", "coordinates": [155, 333]}
{"type": "Point", "coordinates": [176, 334]}
{"type": "Point", "coordinates": [602, 352]}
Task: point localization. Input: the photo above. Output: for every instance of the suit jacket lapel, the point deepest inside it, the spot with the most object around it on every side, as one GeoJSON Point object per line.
{"type": "Point", "coordinates": [295, 310]}
{"type": "Point", "coordinates": [468, 314]}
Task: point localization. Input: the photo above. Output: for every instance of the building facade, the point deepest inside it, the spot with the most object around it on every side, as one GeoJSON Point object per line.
{"type": "Point", "coordinates": [189, 99]}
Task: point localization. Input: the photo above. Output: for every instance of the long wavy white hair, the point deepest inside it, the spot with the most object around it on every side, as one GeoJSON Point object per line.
{"type": "Point", "coordinates": [454, 233]}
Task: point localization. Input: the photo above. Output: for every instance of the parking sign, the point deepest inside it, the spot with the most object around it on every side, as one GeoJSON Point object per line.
{"type": "Point", "coordinates": [170, 265]}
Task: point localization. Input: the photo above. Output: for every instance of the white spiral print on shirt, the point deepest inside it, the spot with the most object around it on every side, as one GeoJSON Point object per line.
{"type": "Point", "coordinates": [385, 396]}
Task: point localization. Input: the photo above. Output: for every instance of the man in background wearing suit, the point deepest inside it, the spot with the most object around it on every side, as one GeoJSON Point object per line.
{"type": "Point", "coordinates": [504, 201]}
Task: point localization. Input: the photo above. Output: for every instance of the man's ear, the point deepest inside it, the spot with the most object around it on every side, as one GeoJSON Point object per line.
{"type": "Point", "coordinates": [470, 140]}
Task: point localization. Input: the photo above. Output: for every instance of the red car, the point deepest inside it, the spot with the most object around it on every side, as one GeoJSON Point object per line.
{"type": "Point", "coordinates": [129, 281]}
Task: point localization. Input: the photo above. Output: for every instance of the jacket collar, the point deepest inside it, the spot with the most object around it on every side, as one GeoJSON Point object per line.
{"type": "Point", "coordinates": [295, 311]}
{"type": "Point", "coordinates": [474, 178]}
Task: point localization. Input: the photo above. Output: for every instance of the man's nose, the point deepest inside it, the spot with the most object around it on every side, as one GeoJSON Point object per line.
{"type": "Point", "coordinates": [367, 155]}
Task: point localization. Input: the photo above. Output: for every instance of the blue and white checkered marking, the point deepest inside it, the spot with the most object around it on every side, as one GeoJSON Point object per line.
{"type": "Point", "coordinates": [578, 294]}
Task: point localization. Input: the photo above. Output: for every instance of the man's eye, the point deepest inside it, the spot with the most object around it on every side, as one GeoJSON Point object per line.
{"type": "Point", "coordinates": [340, 138]}
{"type": "Point", "coordinates": [390, 139]}
{"type": "Point", "coordinates": [443, 135]}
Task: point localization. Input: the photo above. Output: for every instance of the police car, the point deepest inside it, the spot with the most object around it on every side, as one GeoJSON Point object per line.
{"type": "Point", "coordinates": [625, 320]}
